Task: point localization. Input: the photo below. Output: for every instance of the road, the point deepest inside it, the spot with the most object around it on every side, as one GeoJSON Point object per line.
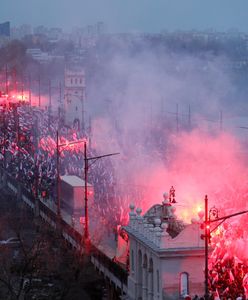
{"type": "Point", "coordinates": [62, 273]}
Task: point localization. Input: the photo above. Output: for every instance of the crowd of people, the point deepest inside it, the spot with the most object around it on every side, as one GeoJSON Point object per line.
{"type": "Point", "coordinates": [228, 264]}
{"type": "Point", "coordinates": [28, 152]}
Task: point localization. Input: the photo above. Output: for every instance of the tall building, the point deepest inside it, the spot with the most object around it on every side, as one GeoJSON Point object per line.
{"type": "Point", "coordinates": [100, 27]}
{"type": "Point", "coordinates": [74, 98]}
{"type": "Point", "coordinates": [166, 259]}
{"type": "Point", "coordinates": [5, 29]}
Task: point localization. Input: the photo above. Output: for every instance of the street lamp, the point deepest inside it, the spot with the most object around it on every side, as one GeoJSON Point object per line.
{"type": "Point", "coordinates": [86, 235]}
{"type": "Point", "coordinates": [86, 169]}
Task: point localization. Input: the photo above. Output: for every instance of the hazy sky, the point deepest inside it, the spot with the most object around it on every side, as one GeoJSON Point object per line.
{"type": "Point", "coordinates": [129, 15]}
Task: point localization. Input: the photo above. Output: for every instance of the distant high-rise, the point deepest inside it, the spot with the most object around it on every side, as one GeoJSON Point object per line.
{"type": "Point", "coordinates": [5, 29]}
{"type": "Point", "coordinates": [100, 28]}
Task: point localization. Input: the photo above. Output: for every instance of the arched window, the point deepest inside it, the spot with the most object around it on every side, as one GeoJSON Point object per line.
{"type": "Point", "coordinates": [132, 261]}
{"type": "Point", "coordinates": [140, 275]}
{"type": "Point", "coordinates": [184, 284]}
{"type": "Point", "coordinates": [150, 279]}
{"type": "Point", "coordinates": [145, 277]}
{"type": "Point", "coordinates": [158, 281]}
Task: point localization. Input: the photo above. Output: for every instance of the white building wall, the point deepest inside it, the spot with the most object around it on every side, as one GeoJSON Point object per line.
{"type": "Point", "coordinates": [132, 280]}
{"type": "Point", "coordinates": [144, 282]}
{"type": "Point", "coordinates": [170, 277]}
{"type": "Point", "coordinates": [163, 281]}
{"type": "Point", "coordinates": [157, 275]}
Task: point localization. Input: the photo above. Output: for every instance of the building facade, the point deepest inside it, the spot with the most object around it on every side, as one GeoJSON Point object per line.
{"type": "Point", "coordinates": [5, 29]}
{"type": "Point", "coordinates": [166, 257]}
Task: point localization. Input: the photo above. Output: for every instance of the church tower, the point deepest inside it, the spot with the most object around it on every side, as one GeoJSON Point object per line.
{"type": "Point", "coordinates": [74, 98]}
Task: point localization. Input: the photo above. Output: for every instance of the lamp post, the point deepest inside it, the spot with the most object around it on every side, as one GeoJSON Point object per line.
{"type": "Point", "coordinates": [86, 235]}
{"type": "Point", "coordinates": [37, 176]}
{"type": "Point", "coordinates": [212, 216]}
{"type": "Point", "coordinates": [86, 169]}
{"type": "Point", "coordinates": [206, 248]}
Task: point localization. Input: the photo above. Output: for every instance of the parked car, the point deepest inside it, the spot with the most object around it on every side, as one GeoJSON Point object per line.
{"type": "Point", "coordinates": [11, 241]}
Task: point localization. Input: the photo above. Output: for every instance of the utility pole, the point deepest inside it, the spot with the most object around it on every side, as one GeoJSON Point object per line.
{"type": "Point", "coordinates": [177, 118]}
{"type": "Point", "coordinates": [58, 177]}
{"type": "Point", "coordinates": [39, 89]}
{"type": "Point", "coordinates": [50, 104]}
{"type": "Point", "coordinates": [206, 248]}
{"type": "Point", "coordinates": [90, 132]}
{"type": "Point", "coordinates": [6, 80]}
{"type": "Point", "coordinates": [60, 104]}
{"type": "Point", "coordinates": [4, 143]}
{"type": "Point", "coordinates": [83, 114]}
{"type": "Point", "coordinates": [162, 108]}
{"type": "Point", "coordinates": [189, 119]}
{"type": "Point", "coordinates": [17, 125]}
{"type": "Point", "coordinates": [17, 139]}
{"type": "Point", "coordinates": [50, 93]}
{"type": "Point", "coordinates": [37, 200]}
{"type": "Point", "coordinates": [22, 90]}
{"type": "Point", "coordinates": [29, 90]}
{"type": "Point", "coordinates": [221, 121]}
{"type": "Point", "coordinates": [86, 169]}
{"type": "Point", "coordinates": [4, 137]}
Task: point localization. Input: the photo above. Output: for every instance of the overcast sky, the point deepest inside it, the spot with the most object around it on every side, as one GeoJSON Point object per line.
{"type": "Point", "coordinates": [129, 15]}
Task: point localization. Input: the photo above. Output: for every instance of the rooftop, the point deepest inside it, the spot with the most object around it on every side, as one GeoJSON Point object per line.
{"type": "Point", "coordinates": [74, 181]}
{"type": "Point", "coordinates": [161, 230]}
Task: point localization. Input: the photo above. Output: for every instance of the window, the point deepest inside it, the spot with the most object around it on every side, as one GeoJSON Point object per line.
{"type": "Point", "coordinates": [80, 80]}
{"type": "Point", "coordinates": [76, 108]}
{"type": "Point", "coordinates": [184, 284]}
{"type": "Point", "coordinates": [71, 81]}
{"type": "Point", "coordinates": [132, 261]}
{"type": "Point", "coordinates": [158, 281]}
{"type": "Point", "coordinates": [76, 80]}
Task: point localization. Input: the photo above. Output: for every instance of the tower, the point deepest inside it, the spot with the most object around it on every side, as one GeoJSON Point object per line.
{"type": "Point", "coordinates": [74, 98]}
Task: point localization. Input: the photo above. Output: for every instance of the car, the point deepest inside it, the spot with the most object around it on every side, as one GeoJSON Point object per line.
{"type": "Point", "coordinates": [11, 241]}
{"type": "Point", "coordinates": [31, 282]}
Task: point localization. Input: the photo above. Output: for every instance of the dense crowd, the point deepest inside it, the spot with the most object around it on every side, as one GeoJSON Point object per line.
{"type": "Point", "coordinates": [228, 264]}
{"type": "Point", "coordinates": [28, 152]}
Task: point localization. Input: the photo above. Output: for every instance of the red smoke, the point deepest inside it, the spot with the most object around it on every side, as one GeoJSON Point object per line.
{"type": "Point", "coordinates": [202, 164]}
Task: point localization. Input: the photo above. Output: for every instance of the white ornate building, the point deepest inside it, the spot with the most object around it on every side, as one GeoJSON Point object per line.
{"type": "Point", "coordinates": [74, 98]}
{"type": "Point", "coordinates": [166, 256]}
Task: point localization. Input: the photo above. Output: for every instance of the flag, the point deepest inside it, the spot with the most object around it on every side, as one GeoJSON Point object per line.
{"type": "Point", "coordinates": [216, 295]}
{"type": "Point", "coordinates": [215, 278]}
{"type": "Point", "coordinates": [231, 277]}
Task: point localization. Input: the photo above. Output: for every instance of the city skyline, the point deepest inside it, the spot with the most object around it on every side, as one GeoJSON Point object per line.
{"type": "Point", "coordinates": [129, 16]}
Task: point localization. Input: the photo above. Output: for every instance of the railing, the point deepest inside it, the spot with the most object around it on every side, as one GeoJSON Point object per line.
{"type": "Point", "coordinates": [68, 232]}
